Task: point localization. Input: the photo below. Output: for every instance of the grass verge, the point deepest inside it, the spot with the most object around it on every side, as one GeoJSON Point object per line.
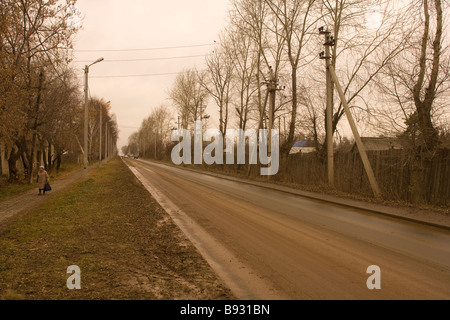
{"type": "Point", "coordinates": [124, 243]}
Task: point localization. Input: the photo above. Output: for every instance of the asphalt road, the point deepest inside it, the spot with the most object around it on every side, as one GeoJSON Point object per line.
{"type": "Point", "coordinates": [267, 244]}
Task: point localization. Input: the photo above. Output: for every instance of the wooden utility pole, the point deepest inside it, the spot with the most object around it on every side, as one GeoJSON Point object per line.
{"type": "Point", "coordinates": [272, 87]}
{"type": "Point", "coordinates": [260, 126]}
{"type": "Point", "coordinates": [359, 144]}
{"type": "Point", "coordinates": [329, 42]}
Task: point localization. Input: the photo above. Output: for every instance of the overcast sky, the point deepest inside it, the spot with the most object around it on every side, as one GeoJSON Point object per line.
{"type": "Point", "coordinates": [191, 25]}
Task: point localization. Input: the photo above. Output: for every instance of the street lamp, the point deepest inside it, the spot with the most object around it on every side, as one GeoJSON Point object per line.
{"type": "Point", "coordinates": [86, 114]}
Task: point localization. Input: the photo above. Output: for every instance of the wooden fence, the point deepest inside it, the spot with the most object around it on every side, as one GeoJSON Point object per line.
{"type": "Point", "coordinates": [399, 174]}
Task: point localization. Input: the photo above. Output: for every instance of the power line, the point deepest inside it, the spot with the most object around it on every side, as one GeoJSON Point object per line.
{"type": "Point", "coordinates": [147, 49]}
{"type": "Point", "coordinates": [137, 75]}
{"type": "Point", "coordinates": [144, 59]}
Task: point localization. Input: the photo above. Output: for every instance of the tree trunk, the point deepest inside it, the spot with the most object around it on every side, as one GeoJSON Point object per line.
{"type": "Point", "coordinates": [12, 164]}
{"type": "Point", "coordinates": [34, 129]}
{"type": "Point", "coordinates": [424, 107]}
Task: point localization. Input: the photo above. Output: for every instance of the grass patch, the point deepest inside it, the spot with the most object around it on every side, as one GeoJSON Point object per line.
{"type": "Point", "coordinates": [122, 240]}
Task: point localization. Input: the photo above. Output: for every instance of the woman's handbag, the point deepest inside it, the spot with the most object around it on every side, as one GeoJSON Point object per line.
{"type": "Point", "coordinates": [47, 187]}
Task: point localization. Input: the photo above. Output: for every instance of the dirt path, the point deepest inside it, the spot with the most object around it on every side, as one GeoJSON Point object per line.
{"type": "Point", "coordinates": [16, 206]}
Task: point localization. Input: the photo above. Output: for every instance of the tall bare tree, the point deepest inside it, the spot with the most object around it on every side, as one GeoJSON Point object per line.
{"type": "Point", "coordinates": [250, 16]}
{"type": "Point", "coordinates": [153, 136]}
{"type": "Point", "coordinates": [424, 91]}
{"type": "Point", "coordinates": [217, 80]}
{"type": "Point", "coordinates": [189, 96]}
{"type": "Point", "coordinates": [415, 84]}
{"type": "Point", "coordinates": [297, 20]}
{"type": "Point", "coordinates": [240, 48]}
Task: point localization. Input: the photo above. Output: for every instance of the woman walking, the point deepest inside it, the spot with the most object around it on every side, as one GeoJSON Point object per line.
{"type": "Point", "coordinates": [42, 179]}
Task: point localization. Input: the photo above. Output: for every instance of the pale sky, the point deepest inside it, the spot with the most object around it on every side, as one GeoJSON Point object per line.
{"type": "Point", "coordinates": [143, 24]}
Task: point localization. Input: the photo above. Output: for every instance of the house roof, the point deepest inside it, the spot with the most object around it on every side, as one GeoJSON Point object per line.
{"type": "Point", "coordinates": [380, 144]}
{"type": "Point", "coordinates": [299, 144]}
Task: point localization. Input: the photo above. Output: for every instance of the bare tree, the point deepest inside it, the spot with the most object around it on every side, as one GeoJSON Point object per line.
{"type": "Point", "coordinates": [188, 96]}
{"type": "Point", "coordinates": [425, 93]}
{"type": "Point", "coordinates": [240, 48]}
{"type": "Point", "coordinates": [154, 134]}
{"type": "Point", "coordinates": [250, 16]}
{"type": "Point", "coordinates": [217, 81]}
{"type": "Point", "coordinates": [362, 50]}
{"type": "Point", "coordinates": [415, 84]}
{"type": "Point", "coordinates": [297, 20]}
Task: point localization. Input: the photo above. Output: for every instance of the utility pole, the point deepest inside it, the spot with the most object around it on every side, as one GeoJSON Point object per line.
{"type": "Point", "coordinates": [272, 87]}
{"type": "Point", "coordinates": [329, 42]}
{"type": "Point", "coordinates": [271, 84]}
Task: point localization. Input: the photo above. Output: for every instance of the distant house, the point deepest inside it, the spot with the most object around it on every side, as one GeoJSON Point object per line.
{"type": "Point", "coordinates": [300, 147]}
{"type": "Point", "coordinates": [380, 144]}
